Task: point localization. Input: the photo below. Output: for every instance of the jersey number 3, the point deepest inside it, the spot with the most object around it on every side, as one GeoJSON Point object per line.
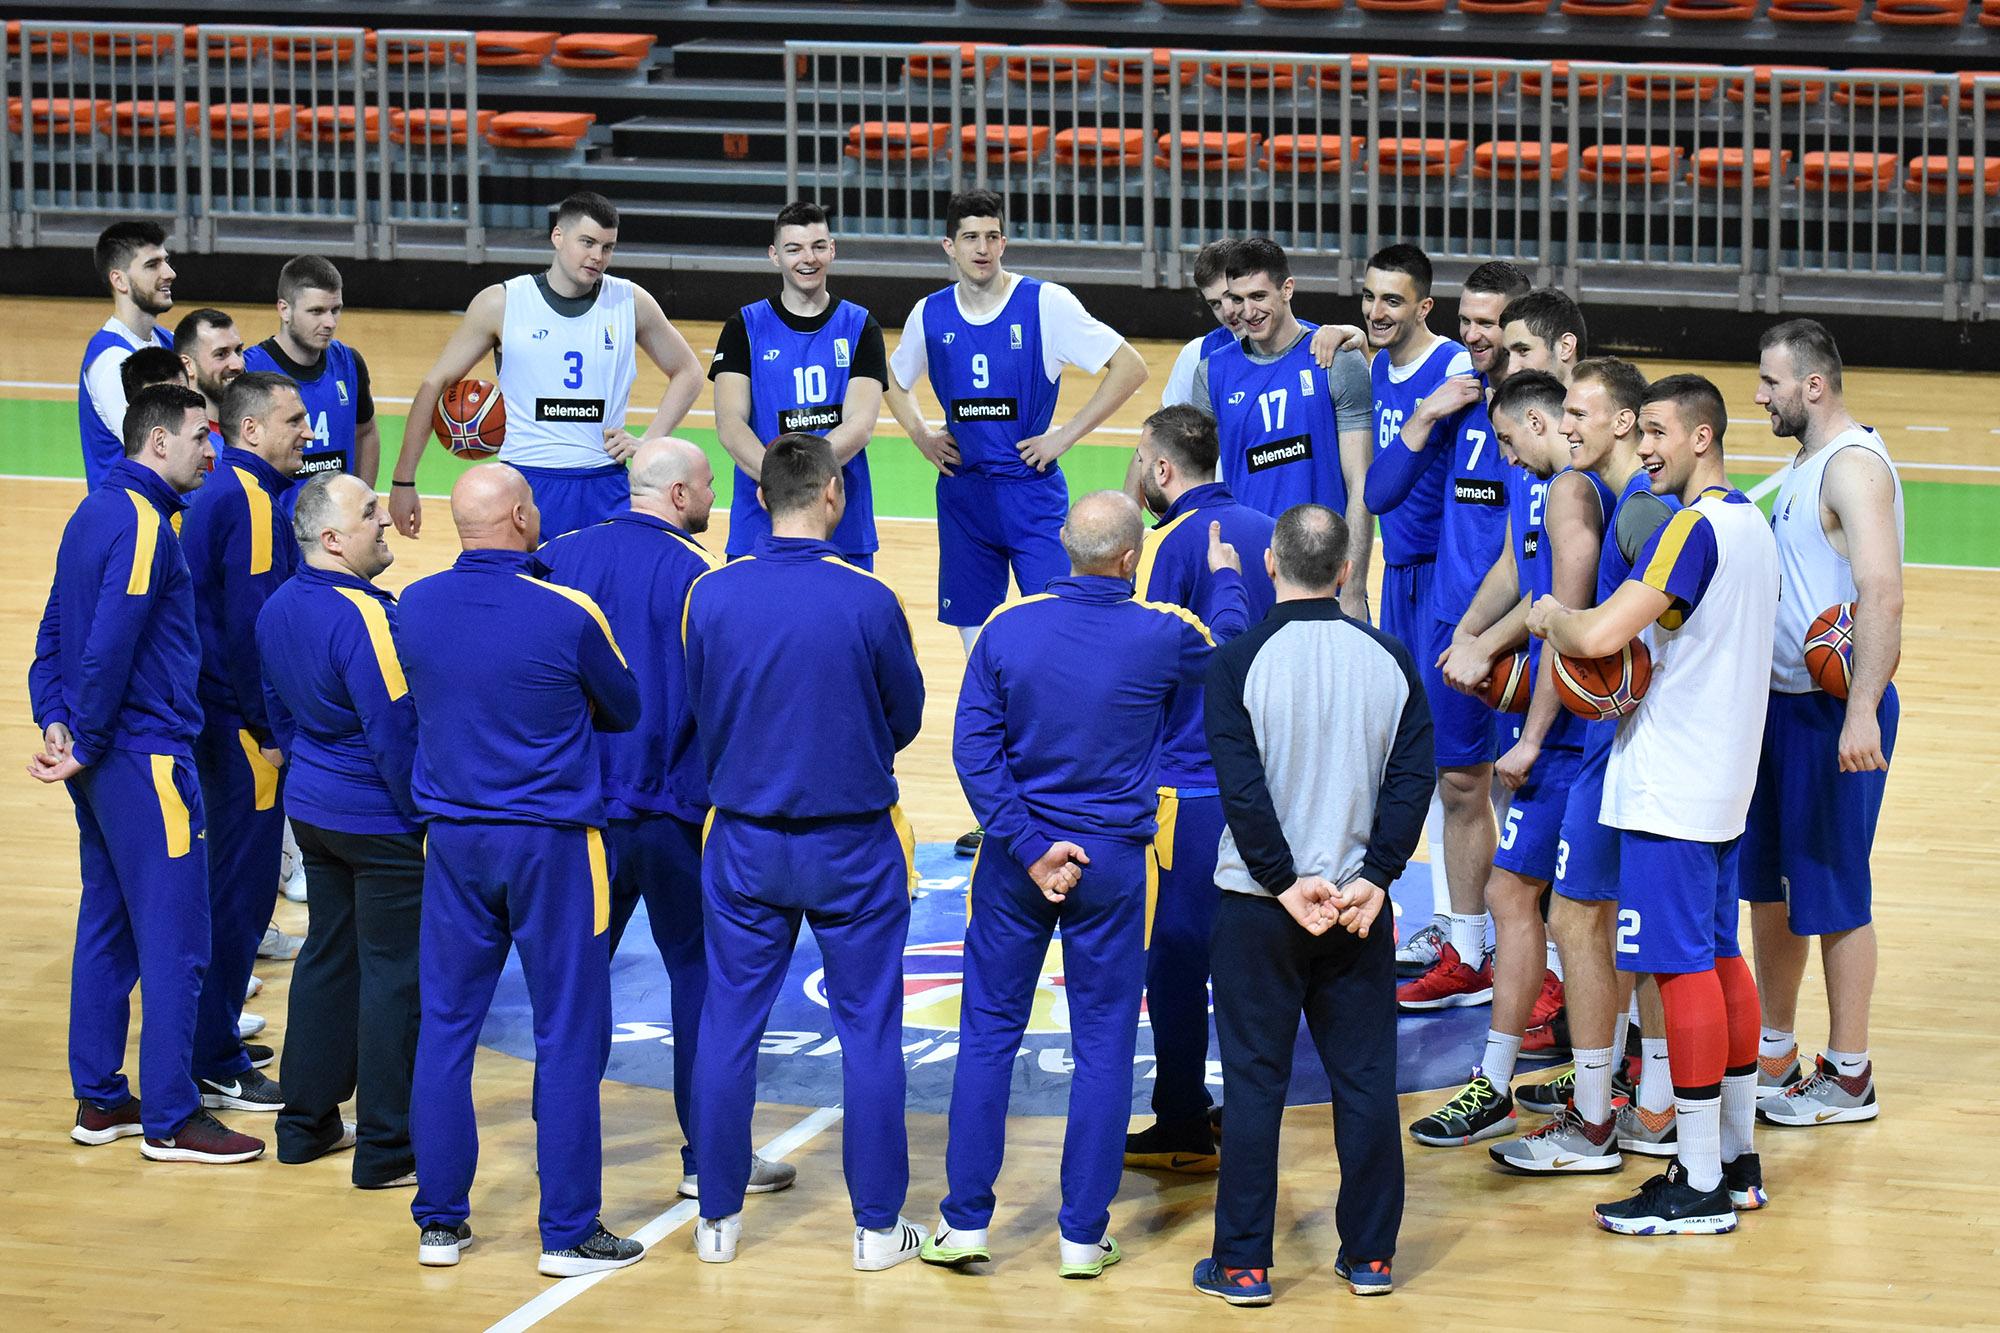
{"type": "Point", "coordinates": [574, 362]}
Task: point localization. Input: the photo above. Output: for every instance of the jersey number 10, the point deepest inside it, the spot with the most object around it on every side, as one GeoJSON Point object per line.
{"type": "Point", "coordinates": [809, 383]}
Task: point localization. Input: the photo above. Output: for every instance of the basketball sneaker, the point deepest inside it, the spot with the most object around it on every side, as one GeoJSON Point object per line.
{"type": "Point", "coordinates": [1649, 1133]}
{"type": "Point", "coordinates": [249, 1025]}
{"type": "Point", "coordinates": [278, 946]}
{"type": "Point", "coordinates": [1419, 953]}
{"type": "Point", "coordinates": [202, 1138]}
{"type": "Point", "coordinates": [1744, 1179]}
{"type": "Point", "coordinates": [599, 1252]}
{"type": "Point", "coordinates": [1667, 1205]}
{"type": "Point", "coordinates": [715, 1238]}
{"type": "Point", "coordinates": [1827, 1098]}
{"type": "Point", "coordinates": [968, 843]}
{"type": "Point", "coordinates": [96, 1126]}
{"type": "Point", "coordinates": [1185, 1146]}
{"type": "Point", "coordinates": [1549, 1097]}
{"type": "Point", "coordinates": [1238, 1286]}
{"type": "Point", "coordinates": [1479, 1111]}
{"type": "Point", "coordinates": [291, 869]}
{"type": "Point", "coordinates": [877, 1250]}
{"type": "Point", "coordinates": [1451, 982]}
{"type": "Point", "coordinates": [260, 1056]}
{"type": "Point", "coordinates": [438, 1247]}
{"type": "Point", "coordinates": [248, 1091]}
{"type": "Point", "coordinates": [1084, 1260]}
{"type": "Point", "coordinates": [1568, 1144]}
{"type": "Point", "coordinates": [955, 1247]}
{"type": "Point", "coordinates": [765, 1178]}
{"type": "Point", "coordinates": [1369, 1279]}
{"type": "Point", "coordinates": [256, 983]}
{"type": "Point", "coordinates": [1776, 1073]}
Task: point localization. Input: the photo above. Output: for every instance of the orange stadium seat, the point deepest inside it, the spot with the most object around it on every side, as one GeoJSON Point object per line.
{"type": "Point", "coordinates": [1967, 89]}
{"type": "Point", "coordinates": [398, 52]}
{"type": "Point", "coordinates": [1919, 13]}
{"type": "Point", "coordinates": [603, 50]}
{"type": "Point", "coordinates": [1503, 7]}
{"type": "Point", "coordinates": [129, 45]}
{"type": "Point", "coordinates": [1518, 160]}
{"type": "Point", "coordinates": [1048, 69]}
{"type": "Point", "coordinates": [1246, 76]}
{"type": "Point", "coordinates": [1814, 11]}
{"type": "Point", "coordinates": [1402, 6]}
{"type": "Point", "coordinates": [1989, 13]}
{"type": "Point", "coordinates": [1462, 82]}
{"type": "Point", "coordinates": [1300, 4]}
{"type": "Point", "coordinates": [896, 140]}
{"type": "Point", "coordinates": [1932, 175]}
{"type": "Point", "coordinates": [1211, 150]}
{"type": "Point", "coordinates": [1359, 70]}
{"type": "Point", "coordinates": [502, 48]}
{"type": "Point", "coordinates": [1159, 70]}
{"type": "Point", "coordinates": [335, 124]}
{"type": "Point", "coordinates": [1420, 157]}
{"type": "Point", "coordinates": [433, 125]}
{"type": "Point", "coordinates": [57, 115]}
{"type": "Point", "coordinates": [1791, 92]}
{"type": "Point", "coordinates": [1880, 94]}
{"type": "Point", "coordinates": [1320, 153]}
{"type": "Point", "coordinates": [1202, 4]}
{"type": "Point", "coordinates": [1608, 9]}
{"type": "Point", "coordinates": [542, 131]}
{"type": "Point", "coordinates": [48, 44]}
{"type": "Point", "coordinates": [221, 46]}
{"type": "Point", "coordinates": [311, 50]}
{"type": "Point", "coordinates": [1711, 11]}
{"type": "Point", "coordinates": [251, 122]}
{"type": "Point", "coordinates": [151, 120]}
{"type": "Point", "coordinates": [1841, 172]}
{"type": "Point", "coordinates": [1587, 85]}
{"type": "Point", "coordinates": [1673, 87]}
{"type": "Point", "coordinates": [939, 66]}
{"type": "Point", "coordinates": [1629, 163]}
{"type": "Point", "coordinates": [1085, 146]}
{"type": "Point", "coordinates": [1723, 167]}
{"type": "Point", "coordinates": [1003, 143]}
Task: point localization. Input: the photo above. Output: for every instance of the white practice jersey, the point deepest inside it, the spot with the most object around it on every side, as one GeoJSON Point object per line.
{"type": "Point", "coordinates": [565, 378]}
{"type": "Point", "coordinates": [1816, 575]}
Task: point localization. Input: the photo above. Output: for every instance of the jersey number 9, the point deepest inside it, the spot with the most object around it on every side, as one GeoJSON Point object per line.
{"type": "Point", "coordinates": [982, 376]}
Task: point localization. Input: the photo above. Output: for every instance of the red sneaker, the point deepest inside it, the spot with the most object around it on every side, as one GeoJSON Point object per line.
{"type": "Point", "coordinates": [203, 1138]}
{"type": "Point", "coordinates": [95, 1127]}
{"type": "Point", "coordinates": [1548, 1003]}
{"type": "Point", "coordinates": [1448, 984]}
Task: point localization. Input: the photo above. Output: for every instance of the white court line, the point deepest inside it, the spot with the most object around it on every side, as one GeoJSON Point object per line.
{"type": "Point", "coordinates": [568, 1289]}
{"type": "Point", "coordinates": [1768, 484]}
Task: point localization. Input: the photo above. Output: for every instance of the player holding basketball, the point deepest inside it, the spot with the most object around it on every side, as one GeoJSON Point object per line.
{"type": "Point", "coordinates": [131, 260]}
{"type": "Point", "coordinates": [1704, 592]}
{"type": "Point", "coordinates": [565, 344]}
{"type": "Point", "coordinates": [1838, 517]}
{"type": "Point", "coordinates": [332, 377]}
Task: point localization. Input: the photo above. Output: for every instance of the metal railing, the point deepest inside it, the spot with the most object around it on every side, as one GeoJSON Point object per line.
{"type": "Point", "coordinates": [427, 86]}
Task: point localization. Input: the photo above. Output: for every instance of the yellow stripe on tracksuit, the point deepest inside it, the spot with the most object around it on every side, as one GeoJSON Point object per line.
{"type": "Point", "coordinates": [906, 836]}
{"type": "Point", "coordinates": [263, 774]}
{"type": "Point", "coordinates": [1149, 551]}
{"type": "Point", "coordinates": [600, 882]}
{"type": "Point", "coordinates": [1160, 856]}
{"type": "Point", "coordinates": [173, 810]}
{"type": "Point", "coordinates": [260, 523]}
{"type": "Point", "coordinates": [376, 622]}
{"type": "Point", "coordinates": [145, 542]}
{"type": "Point", "coordinates": [583, 600]}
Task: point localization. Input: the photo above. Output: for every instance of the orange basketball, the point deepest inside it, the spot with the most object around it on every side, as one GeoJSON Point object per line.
{"type": "Point", "coordinates": [1506, 690]}
{"type": "Point", "coordinates": [1830, 649]}
{"type": "Point", "coordinates": [471, 419]}
{"type": "Point", "coordinates": [1604, 687]}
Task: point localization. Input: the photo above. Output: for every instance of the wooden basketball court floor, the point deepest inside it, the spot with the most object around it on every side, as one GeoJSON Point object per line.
{"type": "Point", "coordinates": [1888, 1224]}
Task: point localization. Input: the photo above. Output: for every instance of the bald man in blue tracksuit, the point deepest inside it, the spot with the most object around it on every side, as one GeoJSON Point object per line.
{"type": "Point", "coordinates": [1178, 451]}
{"type": "Point", "coordinates": [1060, 723]}
{"type": "Point", "coordinates": [804, 682]}
{"type": "Point", "coordinates": [511, 674]}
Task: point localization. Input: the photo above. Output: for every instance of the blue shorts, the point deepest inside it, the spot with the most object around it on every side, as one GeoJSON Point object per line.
{"type": "Point", "coordinates": [986, 526]}
{"type": "Point", "coordinates": [1587, 851]}
{"type": "Point", "coordinates": [1531, 835]}
{"type": "Point", "coordinates": [1461, 725]}
{"type": "Point", "coordinates": [1406, 604]}
{"type": "Point", "coordinates": [1811, 826]}
{"type": "Point", "coordinates": [577, 497]}
{"type": "Point", "coordinates": [1676, 903]}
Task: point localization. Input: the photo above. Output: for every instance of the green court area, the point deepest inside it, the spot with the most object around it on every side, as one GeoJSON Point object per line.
{"type": "Point", "coordinates": [1948, 523]}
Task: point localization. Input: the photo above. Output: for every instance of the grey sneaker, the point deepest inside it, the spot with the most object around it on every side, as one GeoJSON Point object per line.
{"type": "Point", "coordinates": [1568, 1144]}
{"type": "Point", "coordinates": [765, 1178]}
{"type": "Point", "coordinates": [1419, 953]}
{"type": "Point", "coordinates": [248, 1091]}
{"type": "Point", "coordinates": [1650, 1133]}
{"type": "Point", "coordinates": [438, 1247]}
{"type": "Point", "coordinates": [1776, 1074]}
{"type": "Point", "coordinates": [278, 946]}
{"type": "Point", "coordinates": [1478, 1111]}
{"type": "Point", "coordinates": [599, 1252]}
{"type": "Point", "coordinates": [1826, 1098]}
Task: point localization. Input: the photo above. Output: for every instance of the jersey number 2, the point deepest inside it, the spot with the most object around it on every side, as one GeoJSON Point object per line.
{"type": "Point", "coordinates": [574, 379]}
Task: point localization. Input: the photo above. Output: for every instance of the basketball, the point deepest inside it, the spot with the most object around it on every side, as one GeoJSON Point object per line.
{"type": "Point", "coordinates": [471, 419]}
{"type": "Point", "coordinates": [1506, 690]}
{"type": "Point", "coordinates": [1604, 687]}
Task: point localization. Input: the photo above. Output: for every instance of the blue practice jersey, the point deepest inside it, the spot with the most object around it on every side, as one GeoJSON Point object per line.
{"type": "Point", "coordinates": [1614, 566]}
{"type": "Point", "coordinates": [1535, 568]}
{"type": "Point", "coordinates": [333, 402]}
{"type": "Point", "coordinates": [103, 445]}
{"type": "Point", "coordinates": [797, 383]}
{"type": "Point", "coordinates": [1279, 433]}
{"type": "Point", "coordinates": [1474, 524]}
{"type": "Point", "coordinates": [990, 377]}
{"type": "Point", "coordinates": [1410, 526]}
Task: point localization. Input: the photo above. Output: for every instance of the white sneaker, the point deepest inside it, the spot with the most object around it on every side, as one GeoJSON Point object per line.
{"type": "Point", "coordinates": [765, 1178]}
{"type": "Point", "coordinates": [715, 1239]}
{"type": "Point", "coordinates": [256, 984]}
{"type": "Point", "coordinates": [1086, 1260]}
{"type": "Point", "coordinates": [877, 1250]}
{"type": "Point", "coordinates": [291, 868]}
{"type": "Point", "coordinates": [249, 1025]}
{"type": "Point", "coordinates": [278, 946]}
{"type": "Point", "coordinates": [349, 1136]}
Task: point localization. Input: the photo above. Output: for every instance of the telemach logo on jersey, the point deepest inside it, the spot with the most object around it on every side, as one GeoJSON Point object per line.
{"type": "Point", "coordinates": [808, 419]}
{"type": "Point", "coordinates": [316, 464]}
{"type": "Point", "coordinates": [985, 409]}
{"type": "Point", "coordinates": [1531, 544]}
{"type": "Point", "coordinates": [1474, 491]}
{"type": "Point", "coordinates": [1276, 453]}
{"type": "Point", "coordinates": [569, 409]}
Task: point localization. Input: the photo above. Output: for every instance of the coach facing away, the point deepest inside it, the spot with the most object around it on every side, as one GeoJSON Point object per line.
{"type": "Point", "coordinates": [511, 675]}
{"type": "Point", "coordinates": [804, 684]}
{"type": "Point", "coordinates": [339, 706]}
{"type": "Point", "coordinates": [1322, 746]}
{"type": "Point", "coordinates": [1060, 725]}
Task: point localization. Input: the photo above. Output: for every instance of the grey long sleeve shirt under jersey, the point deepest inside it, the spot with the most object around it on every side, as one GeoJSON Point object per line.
{"type": "Point", "coordinates": [1321, 737]}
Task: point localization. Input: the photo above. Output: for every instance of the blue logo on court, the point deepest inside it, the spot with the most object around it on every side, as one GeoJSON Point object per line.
{"type": "Point", "coordinates": [799, 1064]}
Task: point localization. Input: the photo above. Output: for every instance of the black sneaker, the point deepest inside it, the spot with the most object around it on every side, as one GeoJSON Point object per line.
{"type": "Point", "coordinates": [438, 1247]}
{"type": "Point", "coordinates": [1479, 1111]}
{"type": "Point", "coordinates": [248, 1091]}
{"type": "Point", "coordinates": [1667, 1205]}
{"type": "Point", "coordinates": [1550, 1097]}
{"type": "Point", "coordinates": [968, 843]}
{"type": "Point", "coordinates": [260, 1055]}
{"type": "Point", "coordinates": [599, 1252]}
{"type": "Point", "coordinates": [1186, 1146]}
{"type": "Point", "coordinates": [1744, 1179]}
{"type": "Point", "coordinates": [96, 1126]}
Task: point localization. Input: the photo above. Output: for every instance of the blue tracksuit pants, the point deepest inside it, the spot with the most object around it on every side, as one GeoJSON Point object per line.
{"type": "Point", "coordinates": [244, 797]}
{"type": "Point", "coordinates": [658, 858]}
{"type": "Point", "coordinates": [1177, 954]}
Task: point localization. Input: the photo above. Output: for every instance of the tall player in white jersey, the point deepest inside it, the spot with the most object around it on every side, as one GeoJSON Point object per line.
{"type": "Point", "coordinates": [564, 342]}
{"type": "Point", "coordinates": [1838, 517]}
{"type": "Point", "coordinates": [1704, 594]}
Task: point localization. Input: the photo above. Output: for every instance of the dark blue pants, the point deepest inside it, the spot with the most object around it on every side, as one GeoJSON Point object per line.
{"type": "Point", "coordinates": [849, 879]}
{"type": "Point", "coordinates": [659, 859]}
{"type": "Point", "coordinates": [1177, 955]}
{"type": "Point", "coordinates": [142, 918]}
{"type": "Point", "coordinates": [1103, 925]}
{"type": "Point", "coordinates": [572, 498]}
{"type": "Point", "coordinates": [352, 1029]}
{"type": "Point", "coordinates": [1268, 971]}
{"type": "Point", "coordinates": [244, 799]}
{"type": "Point", "coordinates": [546, 891]}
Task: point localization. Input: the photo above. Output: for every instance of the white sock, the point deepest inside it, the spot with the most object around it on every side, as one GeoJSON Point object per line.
{"type": "Point", "coordinates": [1656, 1080]}
{"type": "Point", "coordinates": [1555, 960]}
{"type": "Point", "coordinates": [1775, 1043]}
{"type": "Point", "coordinates": [1698, 1137]}
{"type": "Point", "coordinates": [1848, 1064]}
{"type": "Point", "coordinates": [1618, 1031]}
{"type": "Point", "coordinates": [1468, 936]}
{"type": "Point", "coordinates": [1632, 1009]}
{"type": "Point", "coordinates": [1434, 839]}
{"type": "Point", "coordinates": [1593, 1084]}
{"type": "Point", "coordinates": [1498, 1061]}
{"type": "Point", "coordinates": [968, 635]}
{"type": "Point", "coordinates": [1739, 1114]}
